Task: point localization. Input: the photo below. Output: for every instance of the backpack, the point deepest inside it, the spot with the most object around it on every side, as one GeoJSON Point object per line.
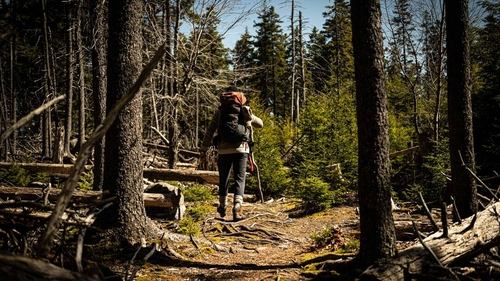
{"type": "Point", "coordinates": [231, 127]}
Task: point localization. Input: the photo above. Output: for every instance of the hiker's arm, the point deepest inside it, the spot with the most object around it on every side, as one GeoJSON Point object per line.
{"type": "Point", "coordinates": [207, 140]}
{"type": "Point", "coordinates": [250, 119]}
{"type": "Point", "coordinates": [257, 122]}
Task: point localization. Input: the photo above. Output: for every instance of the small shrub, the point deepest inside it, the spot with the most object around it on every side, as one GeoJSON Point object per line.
{"type": "Point", "coordinates": [86, 181]}
{"type": "Point", "coordinates": [351, 246]}
{"type": "Point", "coordinates": [315, 194]}
{"type": "Point", "coordinates": [16, 176]}
{"type": "Point", "coordinates": [199, 212]}
{"type": "Point", "coordinates": [188, 226]}
{"type": "Point", "coordinates": [198, 193]}
{"type": "Point", "coordinates": [328, 237]}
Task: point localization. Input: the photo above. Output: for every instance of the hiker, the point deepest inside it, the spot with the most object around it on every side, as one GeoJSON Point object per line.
{"type": "Point", "coordinates": [231, 124]}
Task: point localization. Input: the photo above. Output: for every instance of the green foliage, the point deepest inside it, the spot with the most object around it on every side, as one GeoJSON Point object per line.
{"type": "Point", "coordinates": [15, 175]}
{"type": "Point", "coordinates": [189, 226]}
{"type": "Point", "coordinates": [315, 194]}
{"type": "Point", "coordinates": [18, 176]}
{"type": "Point", "coordinates": [329, 134]}
{"type": "Point", "coordinates": [86, 180]}
{"type": "Point", "coordinates": [275, 177]}
{"type": "Point", "coordinates": [197, 193]}
{"type": "Point", "coordinates": [333, 238]}
{"type": "Point", "coordinates": [199, 212]}
{"type": "Point", "coordinates": [486, 91]}
{"type": "Point", "coordinates": [270, 56]}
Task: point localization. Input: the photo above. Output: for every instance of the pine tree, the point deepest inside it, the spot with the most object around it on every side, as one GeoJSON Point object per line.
{"type": "Point", "coordinates": [318, 64]}
{"type": "Point", "coordinates": [243, 58]}
{"type": "Point", "coordinates": [486, 102]}
{"type": "Point", "coordinates": [270, 58]}
{"type": "Point", "coordinates": [338, 47]}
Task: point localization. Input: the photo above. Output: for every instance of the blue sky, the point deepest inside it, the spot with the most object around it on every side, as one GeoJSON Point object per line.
{"type": "Point", "coordinates": [312, 13]}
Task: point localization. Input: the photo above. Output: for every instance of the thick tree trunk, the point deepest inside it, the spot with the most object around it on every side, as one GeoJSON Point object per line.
{"type": "Point", "coordinates": [99, 81]}
{"type": "Point", "coordinates": [123, 154]}
{"type": "Point", "coordinates": [377, 239]}
{"type": "Point", "coordinates": [460, 107]}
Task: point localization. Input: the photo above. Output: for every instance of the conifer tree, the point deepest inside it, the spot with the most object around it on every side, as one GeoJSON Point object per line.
{"type": "Point", "coordinates": [338, 47]}
{"type": "Point", "coordinates": [270, 58]}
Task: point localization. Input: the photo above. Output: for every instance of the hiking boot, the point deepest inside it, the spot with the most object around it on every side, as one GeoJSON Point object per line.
{"type": "Point", "coordinates": [221, 209]}
{"type": "Point", "coordinates": [237, 212]}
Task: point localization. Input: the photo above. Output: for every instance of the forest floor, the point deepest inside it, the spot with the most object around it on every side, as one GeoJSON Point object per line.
{"type": "Point", "coordinates": [270, 244]}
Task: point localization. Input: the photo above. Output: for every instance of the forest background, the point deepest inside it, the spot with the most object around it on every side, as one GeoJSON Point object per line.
{"type": "Point", "coordinates": [301, 84]}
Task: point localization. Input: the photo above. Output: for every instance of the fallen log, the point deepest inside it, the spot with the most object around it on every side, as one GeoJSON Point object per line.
{"type": "Point", "coordinates": [460, 245]}
{"type": "Point", "coordinates": [153, 200]}
{"type": "Point", "coordinates": [186, 152]}
{"type": "Point", "coordinates": [26, 268]}
{"type": "Point", "coordinates": [210, 177]}
{"type": "Point", "coordinates": [47, 168]}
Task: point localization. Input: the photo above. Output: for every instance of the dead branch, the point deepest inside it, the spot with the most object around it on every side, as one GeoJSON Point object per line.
{"type": "Point", "coordinates": [428, 213]}
{"type": "Point", "coordinates": [24, 120]}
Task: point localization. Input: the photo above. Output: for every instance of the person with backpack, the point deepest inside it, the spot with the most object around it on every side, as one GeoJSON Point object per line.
{"type": "Point", "coordinates": [229, 132]}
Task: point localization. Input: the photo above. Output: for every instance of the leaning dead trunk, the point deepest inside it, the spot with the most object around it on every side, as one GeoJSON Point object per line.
{"type": "Point", "coordinates": [484, 235]}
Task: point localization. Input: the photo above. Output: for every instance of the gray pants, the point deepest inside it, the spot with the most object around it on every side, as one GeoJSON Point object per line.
{"type": "Point", "coordinates": [237, 161]}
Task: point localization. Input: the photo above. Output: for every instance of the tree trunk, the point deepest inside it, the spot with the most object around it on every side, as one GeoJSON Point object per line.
{"type": "Point", "coordinates": [81, 75]}
{"type": "Point", "coordinates": [173, 128]}
{"type": "Point", "coordinates": [69, 82]}
{"type": "Point", "coordinates": [123, 155]}
{"type": "Point", "coordinates": [292, 82]}
{"type": "Point", "coordinates": [99, 86]}
{"type": "Point", "coordinates": [460, 107]}
{"type": "Point", "coordinates": [302, 62]}
{"type": "Point", "coordinates": [377, 238]}
{"type": "Point", "coordinates": [46, 126]}
{"type": "Point", "coordinates": [13, 144]}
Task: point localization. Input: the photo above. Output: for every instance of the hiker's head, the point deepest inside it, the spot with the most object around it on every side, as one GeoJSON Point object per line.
{"type": "Point", "coordinates": [229, 97]}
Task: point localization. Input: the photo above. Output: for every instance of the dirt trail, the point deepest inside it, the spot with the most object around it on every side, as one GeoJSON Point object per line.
{"type": "Point", "coordinates": [268, 244]}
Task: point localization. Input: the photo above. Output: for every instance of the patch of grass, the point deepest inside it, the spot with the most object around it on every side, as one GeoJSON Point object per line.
{"type": "Point", "coordinates": [198, 193]}
{"type": "Point", "coordinates": [351, 246]}
{"type": "Point", "coordinates": [189, 226]}
{"type": "Point", "coordinates": [199, 212]}
{"type": "Point", "coordinates": [329, 237]}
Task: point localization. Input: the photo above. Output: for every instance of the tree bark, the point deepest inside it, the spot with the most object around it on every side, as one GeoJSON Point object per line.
{"type": "Point", "coordinates": [99, 81]}
{"type": "Point", "coordinates": [46, 120]}
{"type": "Point", "coordinates": [81, 75]}
{"type": "Point", "coordinates": [69, 81]}
{"type": "Point", "coordinates": [123, 155]}
{"type": "Point", "coordinates": [377, 238]}
{"type": "Point", "coordinates": [460, 107]}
